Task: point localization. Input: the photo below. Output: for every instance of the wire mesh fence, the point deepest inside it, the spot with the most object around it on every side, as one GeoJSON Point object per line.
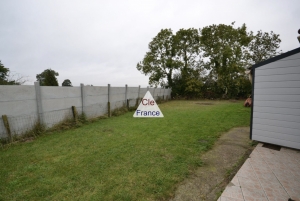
{"type": "Point", "coordinates": [95, 110]}
{"type": "Point", "coordinates": [117, 104]}
{"type": "Point", "coordinates": [54, 117]}
{"type": "Point", "coordinates": [133, 102]}
{"type": "Point", "coordinates": [21, 124]}
{"type": "Point", "coordinates": [92, 103]}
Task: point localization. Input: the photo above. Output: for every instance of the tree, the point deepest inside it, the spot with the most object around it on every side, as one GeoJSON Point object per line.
{"type": "Point", "coordinates": [179, 61]}
{"type": "Point", "coordinates": [16, 79]}
{"type": "Point", "coordinates": [48, 78]}
{"type": "Point", "coordinates": [160, 61]}
{"type": "Point", "coordinates": [67, 83]}
{"type": "Point", "coordinates": [229, 50]}
{"type": "Point", "coordinates": [188, 52]}
{"type": "Point", "coordinates": [3, 74]}
{"type": "Point", "coordinates": [263, 46]}
{"type": "Point", "coordinates": [9, 78]}
{"type": "Point", "coordinates": [187, 45]}
{"type": "Point", "coordinates": [173, 57]}
{"type": "Point", "coordinates": [224, 49]}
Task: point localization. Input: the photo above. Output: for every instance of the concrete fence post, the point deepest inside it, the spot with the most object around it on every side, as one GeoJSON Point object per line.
{"type": "Point", "coordinates": [160, 92]}
{"type": "Point", "coordinates": [154, 93]}
{"type": "Point", "coordinates": [39, 102]}
{"type": "Point", "coordinates": [147, 88]}
{"type": "Point", "coordinates": [82, 97]}
{"type": "Point", "coordinates": [138, 98]}
{"type": "Point", "coordinates": [169, 93]}
{"type": "Point", "coordinates": [126, 100]}
{"type": "Point", "coordinates": [108, 103]}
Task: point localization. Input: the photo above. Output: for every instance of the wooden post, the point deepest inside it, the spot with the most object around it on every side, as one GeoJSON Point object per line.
{"type": "Point", "coordinates": [75, 114]}
{"type": "Point", "coordinates": [6, 125]}
{"type": "Point", "coordinates": [108, 102]}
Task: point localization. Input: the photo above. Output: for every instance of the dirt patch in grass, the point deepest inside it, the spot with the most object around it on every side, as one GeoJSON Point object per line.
{"type": "Point", "coordinates": [205, 103]}
{"type": "Point", "coordinates": [220, 164]}
{"type": "Point", "coordinates": [235, 101]}
{"type": "Point", "coordinates": [28, 139]}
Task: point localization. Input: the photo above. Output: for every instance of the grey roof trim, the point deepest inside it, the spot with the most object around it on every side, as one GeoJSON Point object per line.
{"type": "Point", "coordinates": [286, 54]}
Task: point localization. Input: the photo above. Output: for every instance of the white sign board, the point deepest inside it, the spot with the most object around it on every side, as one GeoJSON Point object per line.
{"type": "Point", "coordinates": [148, 107]}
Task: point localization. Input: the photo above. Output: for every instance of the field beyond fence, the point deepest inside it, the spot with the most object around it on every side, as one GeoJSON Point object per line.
{"type": "Point", "coordinates": [23, 107]}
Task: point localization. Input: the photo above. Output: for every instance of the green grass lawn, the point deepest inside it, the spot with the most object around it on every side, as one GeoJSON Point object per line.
{"type": "Point", "coordinates": [120, 158]}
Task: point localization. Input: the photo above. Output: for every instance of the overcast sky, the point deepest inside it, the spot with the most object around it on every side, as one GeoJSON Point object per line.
{"type": "Point", "coordinates": [100, 42]}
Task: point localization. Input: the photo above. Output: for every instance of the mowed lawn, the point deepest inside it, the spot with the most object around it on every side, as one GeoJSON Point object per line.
{"type": "Point", "coordinates": [120, 158]}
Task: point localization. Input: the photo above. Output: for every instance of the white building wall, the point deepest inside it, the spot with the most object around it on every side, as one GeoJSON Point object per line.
{"type": "Point", "coordinates": [276, 105]}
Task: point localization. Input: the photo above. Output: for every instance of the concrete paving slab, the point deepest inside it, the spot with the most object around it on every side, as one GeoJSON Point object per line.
{"type": "Point", "coordinates": [270, 173]}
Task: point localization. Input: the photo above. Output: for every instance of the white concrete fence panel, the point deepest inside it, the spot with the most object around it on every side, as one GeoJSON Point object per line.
{"type": "Point", "coordinates": [24, 106]}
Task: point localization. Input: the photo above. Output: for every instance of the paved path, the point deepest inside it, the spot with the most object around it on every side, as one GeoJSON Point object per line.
{"type": "Point", "coordinates": [208, 181]}
{"type": "Point", "coordinates": [268, 175]}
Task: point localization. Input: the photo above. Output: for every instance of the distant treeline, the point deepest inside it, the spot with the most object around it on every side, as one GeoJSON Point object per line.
{"type": "Point", "coordinates": [46, 78]}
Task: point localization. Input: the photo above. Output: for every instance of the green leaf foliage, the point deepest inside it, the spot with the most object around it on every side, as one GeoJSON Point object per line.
{"type": "Point", "coordinates": [188, 81]}
{"type": "Point", "coordinates": [47, 78]}
{"type": "Point", "coordinates": [263, 46]}
{"type": "Point", "coordinates": [3, 72]}
{"type": "Point", "coordinates": [160, 61]}
{"type": "Point", "coordinates": [7, 79]}
{"type": "Point", "coordinates": [224, 48]}
{"type": "Point", "coordinates": [174, 60]}
{"type": "Point", "coordinates": [187, 44]}
{"type": "Point", "coordinates": [208, 63]}
{"type": "Point", "coordinates": [67, 83]}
